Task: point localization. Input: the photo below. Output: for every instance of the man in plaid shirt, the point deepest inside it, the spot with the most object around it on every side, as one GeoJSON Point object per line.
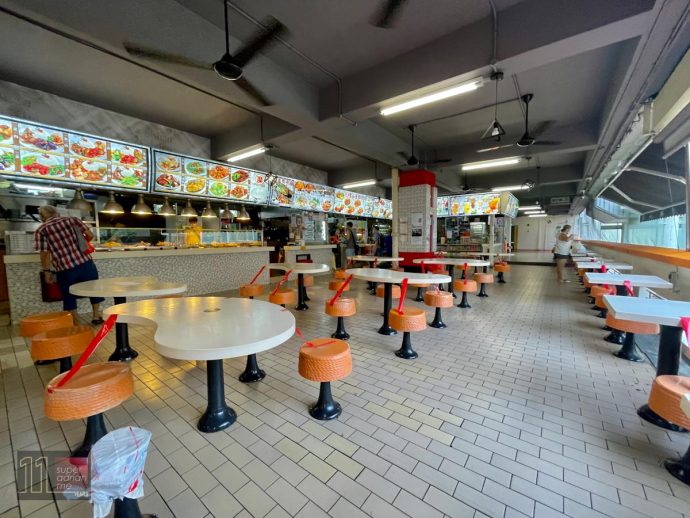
{"type": "Point", "coordinates": [58, 241]}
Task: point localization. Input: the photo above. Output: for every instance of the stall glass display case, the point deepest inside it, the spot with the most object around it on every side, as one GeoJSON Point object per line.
{"type": "Point", "coordinates": [114, 237]}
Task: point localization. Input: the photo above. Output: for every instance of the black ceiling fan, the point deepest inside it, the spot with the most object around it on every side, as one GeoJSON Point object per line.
{"type": "Point", "coordinates": [386, 14]}
{"type": "Point", "coordinates": [412, 160]}
{"type": "Point", "coordinates": [229, 66]}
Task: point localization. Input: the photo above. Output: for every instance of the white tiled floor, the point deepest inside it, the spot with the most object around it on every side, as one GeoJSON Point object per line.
{"type": "Point", "coordinates": [516, 409]}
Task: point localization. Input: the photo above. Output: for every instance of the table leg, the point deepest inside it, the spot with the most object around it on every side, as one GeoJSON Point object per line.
{"type": "Point", "coordinates": [123, 352]}
{"type": "Point", "coordinates": [301, 305]}
{"type": "Point", "coordinates": [628, 352]}
{"type": "Point", "coordinates": [387, 298]}
{"type": "Point", "coordinates": [680, 468]}
{"type": "Point", "coordinates": [373, 288]}
{"type": "Point", "coordinates": [420, 296]}
{"type": "Point", "coordinates": [218, 415]}
{"type": "Point", "coordinates": [306, 295]}
{"type": "Point", "coordinates": [252, 372]}
{"type": "Point", "coordinates": [501, 280]}
{"type": "Point", "coordinates": [451, 272]}
{"type": "Point", "coordinates": [667, 363]}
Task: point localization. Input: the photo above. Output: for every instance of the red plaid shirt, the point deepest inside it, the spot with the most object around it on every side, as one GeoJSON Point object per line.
{"type": "Point", "coordinates": [58, 236]}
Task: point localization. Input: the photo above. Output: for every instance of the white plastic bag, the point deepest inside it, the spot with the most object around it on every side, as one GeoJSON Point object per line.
{"type": "Point", "coordinates": [117, 467]}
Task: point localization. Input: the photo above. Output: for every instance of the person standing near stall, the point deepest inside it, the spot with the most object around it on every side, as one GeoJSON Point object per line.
{"type": "Point", "coordinates": [377, 239]}
{"type": "Point", "coordinates": [192, 233]}
{"type": "Point", "coordinates": [561, 252]}
{"type": "Point", "coordinates": [350, 241]}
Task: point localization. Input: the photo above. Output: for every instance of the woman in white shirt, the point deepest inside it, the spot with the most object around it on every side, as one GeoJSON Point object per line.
{"type": "Point", "coordinates": [562, 252]}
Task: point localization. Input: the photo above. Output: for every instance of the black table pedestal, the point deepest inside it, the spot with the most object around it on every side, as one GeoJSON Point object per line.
{"type": "Point", "coordinates": [680, 468]}
{"type": "Point", "coordinates": [123, 352]}
{"type": "Point", "coordinates": [301, 305]}
{"type": "Point", "coordinates": [252, 372]}
{"type": "Point", "coordinates": [95, 429]}
{"type": "Point", "coordinates": [65, 364]}
{"type": "Point", "coordinates": [406, 352]}
{"type": "Point", "coordinates": [218, 415]}
{"type": "Point", "coordinates": [451, 272]}
{"type": "Point", "coordinates": [615, 337]}
{"type": "Point", "coordinates": [420, 296]}
{"type": "Point", "coordinates": [386, 329]}
{"type": "Point", "coordinates": [628, 351]}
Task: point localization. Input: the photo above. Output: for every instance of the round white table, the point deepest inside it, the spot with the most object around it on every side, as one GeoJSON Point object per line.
{"type": "Point", "coordinates": [119, 288]}
{"type": "Point", "coordinates": [451, 262]}
{"type": "Point", "coordinates": [301, 269]}
{"type": "Point", "coordinates": [372, 259]}
{"type": "Point", "coordinates": [212, 329]}
{"type": "Point", "coordinates": [390, 277]}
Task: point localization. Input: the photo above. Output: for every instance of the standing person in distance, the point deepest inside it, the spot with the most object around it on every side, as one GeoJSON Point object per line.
{"type": "Point", "coordinates": [377, 239]}
{"type": "Point", "coordinates": [350, 241]}
{"type": "Point", "coordinates": [561, 252]}
{"type": "Point", "coordinates": [63, 242]}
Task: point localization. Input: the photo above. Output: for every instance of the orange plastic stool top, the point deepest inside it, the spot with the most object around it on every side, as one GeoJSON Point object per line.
{"type": "Point", "coordinates": [60, 343]}
{"type": "Point", "coordinates": [283, 296]}
{"type": "Point", "coordinates": [411, 320]}
{"type": "Point", "coordinates": [41, 322]}
{"type": "Point", "coordinates": [631, 326]}
{"type": "Point", "coordinates": [438, 299]}
{"type": "Point", "coordinates": [664, 398]}
{"type": "Point", "coordinates": [342, 307]}
{"type": "Point", "coordinates": [95, 388]}
{"type": "Point", "coordinates": [395, 291]}
{"type": "Point", "coordinates": [483, 278]}
{"type": "Point", "coordinates": [336, 284]}
{"type": "Point", "coordinates": [251, 290]}
{"type": "Point", "coordinates": [308, 281]}
{"type": "Point", "coordinates": [325, 360]}
{"type": "Point", "coordinates": [340, 274]}
{"type": "Point", "coordinates": [501, 267]}
{"type": "Point", "coordinates": [597, 290]}
{"type": "Point", "coordinates": [470, 286]}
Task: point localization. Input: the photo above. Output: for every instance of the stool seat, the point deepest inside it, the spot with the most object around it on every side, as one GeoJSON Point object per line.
{"type": "Point", "coordinates": [60, 343]}
{"type": "Point", "coordinates": [664, 398]}
{"type": "Point", "coordinates": [597, 290]}
{"type": "Point", "coordinates": [325, 359]}
{"type": "Point", "coordinates": [308, 281]}
{"type": "Point", "coordinates": [438, 299]}
{"type": "Point", "coordinates": [342, 307]}
{"type": "Point", "coordinates": [251, 290]}
{"type": "Point", "coordinates": [395, 291]}
{"type": "Point", "coordinates": [40, 322]}
{"type": "Point", "coordinates": [462, 286]}
{"type": "Point", "coordinates": [501, 267]}
{"type": "Point", "coordinates": [630, 326]}
{"type": "Point", "coordinates": [283, 296]}
{"type": "Point", "coordinates": [483, 278]}
{"type": "Point", "coordinates": [95, 388]}
{"type": "Point", "coordinates": [340, 274]}
{"type": "Point", "coordinates": [336, 284]}
{"type": "Point", "coordinates": [411, 320]}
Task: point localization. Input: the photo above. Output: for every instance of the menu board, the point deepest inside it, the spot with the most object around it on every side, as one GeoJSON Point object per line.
{"type": "Point", "coordinates": [283, 191]}
{"type": "Point", "coordinates": [509, 204]}
{"type": "Point", "coordinates": [43, 152]}
{"type": "Point", "coordinates": [442, 206]}
{"type": "Point", "coordinates": [312, 196]}
{"type": "Point", "coordinates": [475, 204]}
{"type": "Point", "coordinates": [387, 209]}
{"type": "Point", "coordinates": [203, 178]}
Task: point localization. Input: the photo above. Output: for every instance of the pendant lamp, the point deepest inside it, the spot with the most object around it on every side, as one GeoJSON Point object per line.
{"type": "Point", "coordinates": [167, 209]}
{"type": "Point", "coordinates": [111, 206]}
{"type": "Point", "coordinates": [140, 207]}
{"type": "Point", "coordinates": [495, 131]}
{"type": "Point", "coordinates": [243, 215]}
{"type": "Point", "coordinates": [79, 203]}
{"type": "Point", "coordinates": [189, 211]}
{"type": "Point", "coordinates": [208, 211]}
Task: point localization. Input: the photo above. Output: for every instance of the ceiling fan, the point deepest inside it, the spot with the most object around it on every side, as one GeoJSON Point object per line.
{"type": "Point", "coordinates": [229, 66]}
{"type": "Point", "coordinates": [412, 160]}
{"type": "Point", "coordinates": [386, 14]}
{"type": "Point", "coordinates": [527, 139]}
{"type": "Point", "coordinates": [466, 189]}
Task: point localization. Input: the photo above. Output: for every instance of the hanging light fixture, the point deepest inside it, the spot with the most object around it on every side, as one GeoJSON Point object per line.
{"type": "Point", "coordinates": [79, 203]}
{"type": "Point", "coordinates": [140, 207]}
{"type": "Point", "coordinates": [243, 215]}
{"type": "Point", "coordinates": [208, 211]}
{"type": "Point", "coordinates": [167, 209]}
{"type": "Point", "coordinates": [111, 206]}
{"type": "Point", "coordinates": [495, 131]}
{"type": "Point", "coordinates": [226, 214]}
{"type": "Point", "coordinates": [189, 211]}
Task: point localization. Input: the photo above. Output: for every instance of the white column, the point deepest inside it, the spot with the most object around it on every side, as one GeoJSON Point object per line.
{"type": "Point", "coordinates": [396, 211]}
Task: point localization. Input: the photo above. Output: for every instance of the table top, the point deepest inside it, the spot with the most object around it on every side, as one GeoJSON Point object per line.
{"type": "Point", "coordinates": [480, 254]}
{"type": "Point", "coordinates": [455, 261]}
{"type": "Point", "coordinates": [391, 276]}
{"type": "Point", "coordinates": [617, 279]}
{"type": "Point", "coordinates": [372, 258]}
{"type": "Point", "coordinates": [127, 287]}
{"type": "Point", "coordinates": [301, 267]}
{"type": "Point", "coordinates": [685, 404]}
{"type": "Point", "coordinates": [596, 265]}
{"type": "Point", "coordinates": [650, 311]}
{"type": "Point", "coordinates": [209, 328]}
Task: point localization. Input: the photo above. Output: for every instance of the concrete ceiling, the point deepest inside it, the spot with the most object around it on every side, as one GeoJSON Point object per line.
{"type": "Point", "coordinates": [588, 63]}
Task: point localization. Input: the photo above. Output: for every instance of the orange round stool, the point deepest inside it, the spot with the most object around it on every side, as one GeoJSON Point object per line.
{"type": "Point", "coordinates": [409, 321]}
{"type": "Point", "coordinates": [61, 344]}
{"type": "Point", "coordinates": [251, 290]}
{"type": "Point", "coordinates": [501, 268]}
{"type": "Point", "coordinates": [283, 296]}
{"type": "Point", "coordinates": [94, 389]}
{"type": "Point", "coordinates": [664, 401]}
{"type": "Point", "coordinates": [438, 299]}
{"type": "Point", "coordinates": [336, 284]}
{"type": "Point", "coordinates": [465, 286]}
{"type": "Point", "coordinates": [325, 360]}
{"type": "Point", "coordinates": [483, 279]}
{"type": "Point", "coordinates": [395, 291]}
{"type": "Point", "coordinates": [341, 308]}
{"type": "Point", "coordinates": [340, 274]}
{"type": "Point", "coordinates": [623, 333]}
{"type": "Point", "coordinates": [41, 322]}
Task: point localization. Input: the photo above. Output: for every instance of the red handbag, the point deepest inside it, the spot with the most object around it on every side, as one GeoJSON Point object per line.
{"type": "Point", "coordinates": [50, 291]}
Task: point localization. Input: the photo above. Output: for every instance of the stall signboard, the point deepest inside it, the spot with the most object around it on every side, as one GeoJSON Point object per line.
{"type": "Point", "coordinates": [184, 175]}
{"type": "Point", "coordinates": [509, 204]}
{"type": "Point", "coordinates": [283, 191]}
{"type": "Point", "coordinates": [339, 199]}
{"type": "Point", "coordinates": [474, 204]}
{"type": "Point", "coordinates": [442, 206]}
{"type": "Point", "coordinates": [387, 209]}
{"type": "Point", "coordinates": [312, 196]}
{"type": "Point", "coordinates": [39, 152]}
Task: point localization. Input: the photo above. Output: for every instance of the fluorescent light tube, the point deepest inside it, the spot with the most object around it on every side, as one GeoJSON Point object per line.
{"type": "Point", "coordinates": [510, 188]}
{"type": "Point", "coordinates": [534, 212]}
{"type": "Point", "coordinates": [487, 164]}
{"type": "Point", "coordinates": [363, 183]}
{"type": "Point", "coordinates": [438, 96]}
{"type": "Point", "coordinates": [537, 215]}
{"type": "Point", "coordinates": [530, 207]}
{"type": "Point", "coordinates": [246, 154]}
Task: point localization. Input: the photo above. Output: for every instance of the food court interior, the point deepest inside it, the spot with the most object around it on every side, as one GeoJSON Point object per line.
{"type": "Point", "coordinates": [416, 258]}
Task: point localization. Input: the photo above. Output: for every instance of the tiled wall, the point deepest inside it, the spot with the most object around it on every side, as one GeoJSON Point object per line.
{"type": "Point", "coordinates": [416, 199]}
{"type": "Point", "coordinates": [207, 273]}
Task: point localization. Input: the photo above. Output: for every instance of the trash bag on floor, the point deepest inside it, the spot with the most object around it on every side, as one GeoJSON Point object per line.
{"type": "Point", "coordinates": [116, 466]}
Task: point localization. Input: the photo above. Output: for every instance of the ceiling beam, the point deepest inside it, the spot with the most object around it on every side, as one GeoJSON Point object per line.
{"type": "Point", "coordinates": [630, 200]}
{"type": "Point", "coordinates": [660, 174]}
